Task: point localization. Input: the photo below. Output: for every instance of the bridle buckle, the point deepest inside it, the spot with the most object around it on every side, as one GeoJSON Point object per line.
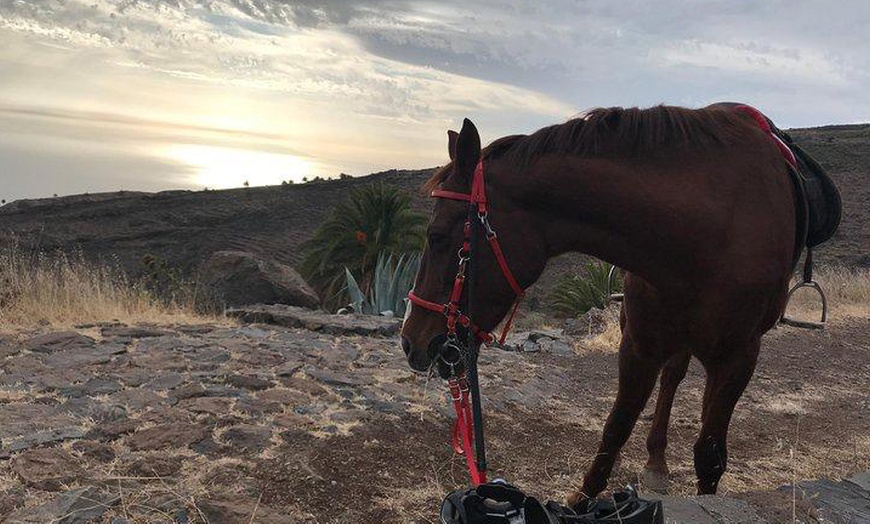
{"type": "Point", "coordinates": [450, 348]}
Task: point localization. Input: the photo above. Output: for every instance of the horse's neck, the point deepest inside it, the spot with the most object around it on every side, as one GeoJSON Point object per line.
{"type": "Point", "coordinates": [620, 211]}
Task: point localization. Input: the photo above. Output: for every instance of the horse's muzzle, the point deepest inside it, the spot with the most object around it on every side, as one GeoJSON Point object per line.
{"type": "Point", "coordinates": [414, 361]}
{"type": "Point", "coordinates": [441, 354]}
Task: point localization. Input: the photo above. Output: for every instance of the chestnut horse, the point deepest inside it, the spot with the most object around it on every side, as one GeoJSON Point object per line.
{"type": "Point", "coordinates": [695, 205]}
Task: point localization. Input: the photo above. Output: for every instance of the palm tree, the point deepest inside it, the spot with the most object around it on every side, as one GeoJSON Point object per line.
{"type": "Point", "coordinates": [375, 219]}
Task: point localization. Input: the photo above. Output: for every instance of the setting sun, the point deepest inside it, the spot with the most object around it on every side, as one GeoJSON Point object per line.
{"type": "Point", "coordinates": [225, 167]}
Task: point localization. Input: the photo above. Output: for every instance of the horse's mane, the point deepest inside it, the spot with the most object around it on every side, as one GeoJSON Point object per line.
{"type": "Point", "coordinates": [630, 132]}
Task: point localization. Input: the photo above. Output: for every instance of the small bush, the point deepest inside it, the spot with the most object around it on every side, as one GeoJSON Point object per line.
{"type": "Point", "coordinates": [578, 294]}
{"type": "Point", "coordinates": [374, 220]}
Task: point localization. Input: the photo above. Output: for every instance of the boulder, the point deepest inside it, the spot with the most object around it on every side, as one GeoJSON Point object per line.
{"type": "Point", "coordinates": [240, 278]}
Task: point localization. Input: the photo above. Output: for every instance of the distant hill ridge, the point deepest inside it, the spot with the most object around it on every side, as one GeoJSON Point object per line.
{"type": "Point", "coordinates": [185, 227]}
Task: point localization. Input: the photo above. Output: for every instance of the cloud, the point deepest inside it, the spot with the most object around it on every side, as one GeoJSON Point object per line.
{"type": "Point", "coordinates": [363, 86]}
{"type": "Point", "coordinates": [771, 63]}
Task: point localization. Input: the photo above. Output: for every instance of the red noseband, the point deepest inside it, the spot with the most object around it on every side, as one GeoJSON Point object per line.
{"type": "Point", "coordinates": [477, 201]}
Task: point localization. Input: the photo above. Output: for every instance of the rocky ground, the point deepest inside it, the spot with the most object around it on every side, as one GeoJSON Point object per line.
{"type": "Point", "coordinates": [317, 423]}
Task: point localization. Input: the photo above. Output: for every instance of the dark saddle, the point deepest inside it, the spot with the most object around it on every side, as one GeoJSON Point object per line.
{"type": "Point", "coordinates": [819, 204]}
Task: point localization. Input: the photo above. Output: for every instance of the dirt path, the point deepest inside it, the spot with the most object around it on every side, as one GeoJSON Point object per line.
{"type": "Point", "coordinates": [189, 424]}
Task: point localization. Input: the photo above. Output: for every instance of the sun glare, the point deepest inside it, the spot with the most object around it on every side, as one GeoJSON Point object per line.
{"type": "Point", "coordinates": [224, 167]}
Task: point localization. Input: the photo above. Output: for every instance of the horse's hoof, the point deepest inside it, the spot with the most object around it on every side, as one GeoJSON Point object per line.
{"type": "Point", "coordinates": [575, 499]}
{"type": "Point", "coordinates": [655, 481]}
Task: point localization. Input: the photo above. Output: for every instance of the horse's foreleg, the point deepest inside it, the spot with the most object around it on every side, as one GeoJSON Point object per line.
{"type": "Point", "coordinates": [655, 476]}
{"type": "Point", "coordinates": [637, 377]}
{"type": "Point", "coordinates": [726, 381]}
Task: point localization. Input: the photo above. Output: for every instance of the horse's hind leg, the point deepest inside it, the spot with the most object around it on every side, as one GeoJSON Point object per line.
{"type": "Point", "coordinates": [655, 475]}
{"type": "Point", "coordinates": [726, 380]}
{"type": "Point", "coordinates": [637, 378]}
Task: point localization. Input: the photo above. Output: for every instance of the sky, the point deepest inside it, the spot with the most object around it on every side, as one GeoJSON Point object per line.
{"type": "Point", "coordinates": [149, 95]}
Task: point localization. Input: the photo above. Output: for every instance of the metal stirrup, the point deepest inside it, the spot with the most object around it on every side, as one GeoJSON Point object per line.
{"type": "Point", "coordinates": [810, 283]}
{"type": "Point", "coordinates": [806, 323]}
{"type": "Point", "coordinates": [615, 297]}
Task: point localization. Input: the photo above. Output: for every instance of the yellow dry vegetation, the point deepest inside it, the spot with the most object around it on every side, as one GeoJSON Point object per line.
{"type": "Point", "coordinates": [61, 290]}
{"type": "Point", "coordinates": [848, 292]}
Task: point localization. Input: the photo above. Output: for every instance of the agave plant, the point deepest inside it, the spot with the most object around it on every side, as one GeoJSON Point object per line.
{"type": "Point", "coordinates": [579, 293]}
{"type": "Point", "coordinates": [389, 287]}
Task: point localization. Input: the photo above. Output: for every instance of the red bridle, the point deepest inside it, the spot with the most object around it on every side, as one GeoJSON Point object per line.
{"type": "Point", "coordinates": [476, 199]}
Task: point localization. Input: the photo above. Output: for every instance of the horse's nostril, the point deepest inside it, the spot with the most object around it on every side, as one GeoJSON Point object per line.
{"type": "Point", "coordinates": [406, 346]}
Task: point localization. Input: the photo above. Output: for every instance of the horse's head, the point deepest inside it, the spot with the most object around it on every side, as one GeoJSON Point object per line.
{"type": "Point", "coordinates": [487, 285]}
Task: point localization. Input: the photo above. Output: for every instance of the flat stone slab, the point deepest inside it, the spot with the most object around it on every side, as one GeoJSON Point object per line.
{"type": "Point", "coordinates": [862, 480]}
{"type": "Point", "coordinates": [248, 437]}
{"type": "Point", "coordinates": [680, 510]}
{"type": "Point", "coordinates": [77, 506]}
{"type": "Point", "coordinates": [79, 357]}
{"type": "Point", "coordinates": [134, 332]}
{"type": "Point", "coordinates": [238, 508]}
{"type": "Point", "coordinates": [59, 341]}
{"type": "Point", "coordinates": [296, 317]}
{"type": "Point", "coordinates": [18, 419]}
{"type": "Point", "coordinates": [47, 469]}
{"type": "Point", "coordinates": [209, 405]}
{"type": "Point", "coordinates": [167, 436]}
{"type": "Point", "coordinates": [705, 509]}
{"type": "Point", "coordinates": [336, 378]}
{"type": "Point", "coordinates": [842, 501]}
{"type": "Point", "coordinates": [43, 437]}
{"type": "Point", "coordinates": [727, 510]}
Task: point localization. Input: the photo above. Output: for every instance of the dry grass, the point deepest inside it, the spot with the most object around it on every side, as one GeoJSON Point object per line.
{"type": "Point", "coordinates": [61, 290]}
{"type": "Point", "coordinates": [416, 503]}
{"type": "Point", "coordinates": [848, 292]}
{"type": "Point", "coordinates": [793, 458]}
{"type": "Point", "coordinates": [607, 340]}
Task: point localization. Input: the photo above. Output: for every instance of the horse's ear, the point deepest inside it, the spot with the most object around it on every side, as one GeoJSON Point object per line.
{"type": "Point", "coordinates": [452, 136]}
{"type": "Point", "coordinates": [467, 151]}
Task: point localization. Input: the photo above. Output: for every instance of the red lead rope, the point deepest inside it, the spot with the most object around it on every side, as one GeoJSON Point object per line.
{"type": "Point", "coordinates": [463, 428]}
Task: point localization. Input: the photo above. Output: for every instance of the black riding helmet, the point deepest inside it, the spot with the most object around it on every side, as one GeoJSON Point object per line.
{"type": "Point", "coordinates": [501, 503]}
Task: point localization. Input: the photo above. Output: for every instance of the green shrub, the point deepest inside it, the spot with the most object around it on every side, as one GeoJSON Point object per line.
{"type": "Point", "coordinates": [375, 220]}
{"type": "Point", "coordinates": [578, 294]}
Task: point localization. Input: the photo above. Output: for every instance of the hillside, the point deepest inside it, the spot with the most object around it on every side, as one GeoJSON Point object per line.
{"type": "Point", "coordinates": [184, 227]}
